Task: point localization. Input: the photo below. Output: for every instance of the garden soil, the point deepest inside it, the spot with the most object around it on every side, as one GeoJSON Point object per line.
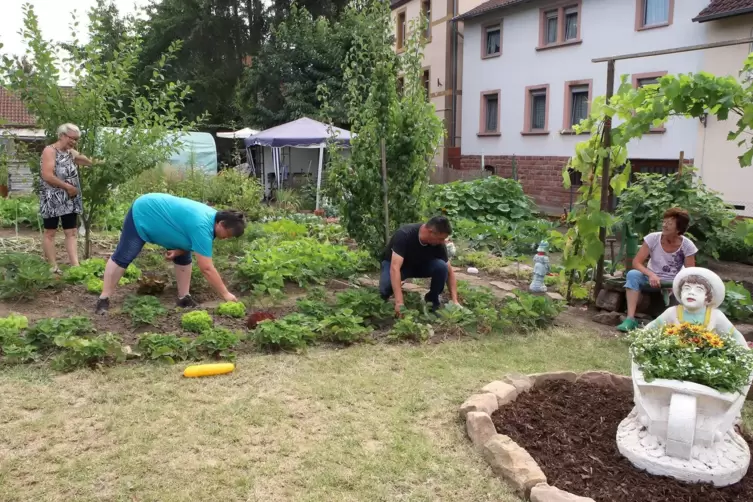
{"type": "Point", "coordinates": [570, 430]}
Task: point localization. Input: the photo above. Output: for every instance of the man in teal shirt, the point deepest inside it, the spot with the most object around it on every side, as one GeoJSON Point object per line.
{"type": "Point", "coordinates": [182, 226]}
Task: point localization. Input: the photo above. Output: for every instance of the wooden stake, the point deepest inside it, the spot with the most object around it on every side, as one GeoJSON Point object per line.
{"type": "Point", "coordinates": [384, 188]}
{"type": "Point", "coordinates": [682, 162]}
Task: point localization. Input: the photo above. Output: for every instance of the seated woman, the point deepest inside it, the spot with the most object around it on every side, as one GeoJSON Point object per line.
{"type": "Point", "coordinates": [667, 253]}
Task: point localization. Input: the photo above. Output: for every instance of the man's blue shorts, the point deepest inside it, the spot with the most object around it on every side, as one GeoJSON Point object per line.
{"type": "Point", "coordinates": [131, 244]}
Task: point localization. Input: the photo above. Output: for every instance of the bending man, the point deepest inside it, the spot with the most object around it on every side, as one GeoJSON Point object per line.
{"type": "Point", "coordinates": [181, 226]}
{"type": "Point", "coordinates": [418, 250]}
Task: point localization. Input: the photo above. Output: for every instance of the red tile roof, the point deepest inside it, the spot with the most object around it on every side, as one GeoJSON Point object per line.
{"type": "Point", "coordinates": [719, 9]}
{"type": "Point", "coordinates": [489, 6]}
{"type": "Point", "coordinates": [13, 112]}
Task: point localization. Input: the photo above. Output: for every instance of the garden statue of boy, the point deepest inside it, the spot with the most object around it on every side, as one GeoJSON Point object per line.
{"type": "Point", "coordinates": [681, 428]}
{"type": "Point", "coordinates": [700, 292]}
{"type": "Point", "coordinates": [540, 268]}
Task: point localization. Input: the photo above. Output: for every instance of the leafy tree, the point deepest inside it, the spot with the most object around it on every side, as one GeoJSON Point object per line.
{"type": "Point", "coordinates": [282, 9]}
{"type": "Point", "coordinates": [301, 53]}
{"type": "Point", "coordinates": [129, 140]}
{"type": "Point", "coordinates": [406, 122]}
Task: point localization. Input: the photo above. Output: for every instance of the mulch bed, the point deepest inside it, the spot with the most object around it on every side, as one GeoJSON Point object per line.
{"type": "Point", "coordinates": [570, 430]}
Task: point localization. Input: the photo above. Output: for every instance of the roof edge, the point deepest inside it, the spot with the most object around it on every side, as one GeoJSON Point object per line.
{"type": "Point", "coordinates": [478, 13]}
{"type": "Point", "coordinates": [398, 4]}
{"type": "Point", "coordinates": [723, 15]}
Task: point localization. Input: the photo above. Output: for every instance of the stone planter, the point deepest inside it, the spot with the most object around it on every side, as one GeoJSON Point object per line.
{"type": "Point", "coordinates": [508, 460]}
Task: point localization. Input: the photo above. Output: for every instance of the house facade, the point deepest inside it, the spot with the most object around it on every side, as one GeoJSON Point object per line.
{"type": "Point", "coordinates": [442, 62]}
{"type": "Point", "coordinates": [528, 76]}
{"type": "Point", "coordinates": [716, 157]}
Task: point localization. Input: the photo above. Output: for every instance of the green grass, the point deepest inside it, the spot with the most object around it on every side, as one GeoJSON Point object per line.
{"type": "Point", "coordinates": [370, 423]}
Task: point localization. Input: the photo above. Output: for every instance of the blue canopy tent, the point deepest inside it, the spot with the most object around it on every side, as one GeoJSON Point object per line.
{"type": "Point", "coordinates": [301, 133]}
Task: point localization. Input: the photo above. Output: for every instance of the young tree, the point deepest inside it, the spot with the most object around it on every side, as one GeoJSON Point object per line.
{"type": "Point", "coordinates": [129, 140]}
{"type": "Point", "coordinates": [377, 111]}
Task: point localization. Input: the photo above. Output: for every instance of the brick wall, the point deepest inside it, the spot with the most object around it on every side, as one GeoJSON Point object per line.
{"type": "Point", "coordinates": [541, 177]}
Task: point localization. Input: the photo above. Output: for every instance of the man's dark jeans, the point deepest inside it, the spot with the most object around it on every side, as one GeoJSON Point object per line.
{"type": "Point", "coordinates": [436, 269]}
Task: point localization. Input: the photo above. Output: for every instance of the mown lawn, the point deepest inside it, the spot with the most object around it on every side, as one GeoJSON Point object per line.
{"type": "Point", "coordinates": [368, 423]}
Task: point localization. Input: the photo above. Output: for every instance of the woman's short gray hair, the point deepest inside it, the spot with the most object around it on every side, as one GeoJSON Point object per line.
{"type": "Point", "coordinates": [68, 128]}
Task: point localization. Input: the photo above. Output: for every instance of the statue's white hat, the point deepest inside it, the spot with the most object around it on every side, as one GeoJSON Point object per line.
{"type": "Point", "coordinates": [718, 290]}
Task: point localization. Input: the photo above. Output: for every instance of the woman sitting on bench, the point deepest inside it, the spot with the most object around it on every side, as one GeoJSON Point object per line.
{"type": "Point", "coordinates": [667, 253]}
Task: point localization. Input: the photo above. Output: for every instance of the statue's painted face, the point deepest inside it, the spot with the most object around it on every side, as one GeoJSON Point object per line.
{"type": "Point", "coordinates": [693, 295]}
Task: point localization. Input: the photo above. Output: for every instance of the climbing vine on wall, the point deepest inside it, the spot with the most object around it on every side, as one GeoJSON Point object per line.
{"type": "Point", "coordinates": [633, 112]}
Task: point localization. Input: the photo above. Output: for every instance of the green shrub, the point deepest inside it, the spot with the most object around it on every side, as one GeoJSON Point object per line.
{"type": "Point", "coordinates": [284, 229]}
{"type": "Point", "coordinates": [732, 246]}
{"type": "Point", "coordinates": [643, 203]}
{"type": "Point", "coordinates": [502, 237]}
{"type": "Point", "coordinates": [738, 304]}
{"type": "Point", "coordinates": [366, 303]}
{"type": "Point", "coordinates": [217, 343]}
{"type": "Point", "coordinates": [456, 320]}
{"type": "Point", "coordinates": [143, 309]}
{"type": "Point", "coordinates": [167, 348]}
{"type": "Point", "coordinates": [291, 333]}
{"type": "Point", "coordinates": [232, 309]}
{"type": "Point", "coordinates": [197, 321]}
{"type": "Point", "coordinates": [343, 327]}
{"type": "Point", "coordinates": [23, 275]}
{"type": "Point", "coordinates": [22, 211]}
{"type": "Point", "coordinates": [488, 199]}
{"type": "Point", "coordinates": [79, 352]}
{"type": "Point", "coordinates": [315, 309]}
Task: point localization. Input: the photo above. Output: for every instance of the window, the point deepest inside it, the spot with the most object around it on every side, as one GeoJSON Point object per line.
{"type": "Point", "coordinates": [537, 110]}
{"type": "Point", "coordinates": [400, 30]}
{"type": "Point", "coordinates": [426, 9]}
{"type": "Point", "coordinates": [577, 103]}
{"type": "Point", "coordinates": [653, 13]}
{"type": "Point", "coordinates": [489, 113]}
{"type": "Point", "coordinates": [427, 86]}
{"type": "Point", "coordinates": [560, 26]}
{"type": "Point", "coordinates": [644, 79]}
{"type": "Point", "coordinates": [492, 40]}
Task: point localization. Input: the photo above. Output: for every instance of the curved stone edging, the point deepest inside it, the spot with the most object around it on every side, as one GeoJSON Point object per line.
{"type": "Point", "coordinates": [507, 459]}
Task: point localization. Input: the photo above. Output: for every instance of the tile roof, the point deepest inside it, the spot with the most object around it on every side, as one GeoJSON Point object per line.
{"type": "Point", "coordinates": [719, 9]}
{"type": "Point", "coordinates": [13, 112]}
{"type": "Point", "coordinates": [488, 7]}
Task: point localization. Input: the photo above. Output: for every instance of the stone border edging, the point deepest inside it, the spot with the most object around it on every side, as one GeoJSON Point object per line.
{"type": "Point", "coordinates": [507, 459]}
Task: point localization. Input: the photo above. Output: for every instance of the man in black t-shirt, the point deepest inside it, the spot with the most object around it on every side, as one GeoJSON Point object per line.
{"type": "Point", "coordinates": [418, 250]}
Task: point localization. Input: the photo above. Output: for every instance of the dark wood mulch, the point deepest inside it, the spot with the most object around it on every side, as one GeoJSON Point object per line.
{"type": "Point", "coordinates": [570, 430]}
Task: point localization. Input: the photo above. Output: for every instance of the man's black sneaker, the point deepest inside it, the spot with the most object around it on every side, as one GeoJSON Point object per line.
{"type": "Point", "coordinates": [103, 305]}
{"type": "Point", "coordinates": [187, 302]}
{"type": "Point", "coordinates": [434, 306]}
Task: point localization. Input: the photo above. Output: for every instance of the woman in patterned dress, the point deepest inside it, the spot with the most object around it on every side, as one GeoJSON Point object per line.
{"type": "Point", "coordinates": [60, 192]}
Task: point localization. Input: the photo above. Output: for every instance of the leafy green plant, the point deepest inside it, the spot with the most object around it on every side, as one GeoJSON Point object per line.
{"type": "Point", "coordinates": [290, 333]}
{"type": "Point", "coordinates": [738, 304]}
{"type": "Point", "coordinates": [343, 327]}
{"type": "Point", "coordinates": [474, 297]}
{"type": "Point", "coordinates": [143, 309]}
{"type": "Point", "coordinates": [232, 309]}
{"type": "Point", "coordinates": [366, 303]}
{"type": "Point", "coordinates": [527, 312]}
{"type": "Point", "coordinates": [487, 199]}
{"type": "Point", "coordinates": [79, 352]}
{"type": "Point", "coordinates": [94, 285]}
{"type": "Point", "coordinates": [284, 229]}
{"type": "Point", "coordinates": [45, 331]}
{"type": "Point", "coordinates": [197, 321]}
{"type": "Point", "coordinates": [455, 320]}
{"type": "Point", "coordinates": [16, 322]}
{"type": "Point", "coordinates": [23, 275]}
{"type": "Point", "coordinates": [19, 353]}
{"type": "Point", "coordinates": [217, 343]}
{"type": "Point", "coordinates": [408, 328]}
{"type": "Point", "coordinates": [315, 309]}
{"type": "Point", "coordinates": [268, 265]}
{"type": "Point", "coordinates": [20, 212]}
{"type": "Point", "coordinates": [14, 348]}
{"type": "Point", "coordinates": [167, 348]}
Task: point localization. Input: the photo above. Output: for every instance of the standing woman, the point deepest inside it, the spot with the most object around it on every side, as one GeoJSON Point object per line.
{"type": "Point", "coordinates": [60, 200]}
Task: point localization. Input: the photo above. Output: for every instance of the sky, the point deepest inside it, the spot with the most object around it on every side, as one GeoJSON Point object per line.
{"type": "Point", "coordinates": [54, 19]}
